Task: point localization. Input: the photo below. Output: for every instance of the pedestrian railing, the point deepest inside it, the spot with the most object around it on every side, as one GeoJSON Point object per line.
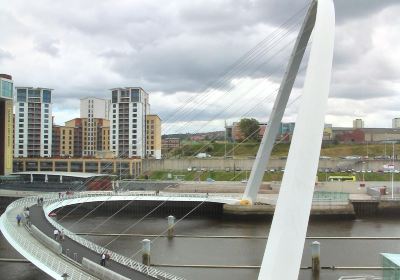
{"type": "Point", "coordinates": [360, 277]}
{"type": "Point", "coordinates": [24, 242]}
{"type": "Point", "coordinates": [330, 197]}
{"type": "Point", "coordinates": [51, 203]}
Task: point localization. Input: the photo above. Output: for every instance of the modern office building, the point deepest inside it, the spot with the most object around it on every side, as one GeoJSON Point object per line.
{"type": "Point", "coordinates": [6, 124]}
{"type": "Point", "coordinates": [358, 123]}
{"type": "Point", "coordinates": [396, 123]}
{"type": "Point", "coordinates": [33, 122]}
{"type": "Point", "coordinates": [92, 109]}
{"type": "Point", "coordinates": [129, 107]}
{"type": "Point", "coordinates": [153, 139]}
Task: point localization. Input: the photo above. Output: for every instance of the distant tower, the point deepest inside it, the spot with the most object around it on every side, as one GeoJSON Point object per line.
{"type": "Point", "coordinates": [33, 122]}
{"type": "Point", "coordinates": [129, 107]}
{"type": "Point", "coordinates": [358, 123]}
{"type": "Point", "coordinates": [396, 123]}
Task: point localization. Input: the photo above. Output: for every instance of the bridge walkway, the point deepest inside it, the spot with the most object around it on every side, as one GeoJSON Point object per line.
{"type": "Point", "coordinates": [23, 239]}
{"type": "Point", "coordinates": [39, 220]}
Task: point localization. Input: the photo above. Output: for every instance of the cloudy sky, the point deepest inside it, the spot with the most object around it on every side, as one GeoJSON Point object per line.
{"type": "Point", "coordinates": [202, 61]}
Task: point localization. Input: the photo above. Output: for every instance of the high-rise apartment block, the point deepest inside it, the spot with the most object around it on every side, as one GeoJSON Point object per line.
{"type": "Point", "coordinates": [6, 124]}
{"type": "Point", "coordinates": [92, 109]}
{"type": "Point", "coordinates": [153, 139]}
{"type": "Point", "coordinates": [129, 107]}
{"type": "Point", "coordinates": [358, 123]}
{"type": "Point", "coordinates": [396, 123]}
{"type": "Point", "coordinates": [33, 122]}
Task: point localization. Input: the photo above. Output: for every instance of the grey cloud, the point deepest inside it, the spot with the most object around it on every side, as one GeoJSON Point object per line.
{"type": "Point", "coordinates": [5, 55]}
{"type": "Point", "coordinates": [48, 46]}
{"type": "Point", "coordinates": [362, 90]}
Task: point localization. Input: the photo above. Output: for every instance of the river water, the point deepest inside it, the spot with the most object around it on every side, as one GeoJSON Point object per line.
{"type": "Point", "coordinates": [230, 251]}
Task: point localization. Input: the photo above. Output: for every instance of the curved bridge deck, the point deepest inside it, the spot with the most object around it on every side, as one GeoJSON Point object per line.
{"type": "Point", "coordinates": [55, 265]}
{"type": "Point", "coordinates": [39, 220]}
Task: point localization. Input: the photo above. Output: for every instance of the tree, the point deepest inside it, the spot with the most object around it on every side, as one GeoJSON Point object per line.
{"type": "Point", "coordinates": [249, 128]}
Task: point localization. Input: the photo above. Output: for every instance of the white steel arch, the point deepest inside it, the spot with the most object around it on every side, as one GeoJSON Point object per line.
{"type": "Point", "coordinates": [285, 244]}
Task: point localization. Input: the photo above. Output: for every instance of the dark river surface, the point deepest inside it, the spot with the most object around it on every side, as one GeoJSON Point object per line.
{"type": "Point", "coordinates": [229, 251]}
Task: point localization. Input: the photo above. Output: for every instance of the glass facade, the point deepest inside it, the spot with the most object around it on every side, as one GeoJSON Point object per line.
{"type": "Point", "coordinates": [46, 96]}
{"type": "Point", "coordinates": [135, 95]}
{"type": "Point", "coordinates": [6, 89]}
{"type": "Point", "coordinates": [21, 95]}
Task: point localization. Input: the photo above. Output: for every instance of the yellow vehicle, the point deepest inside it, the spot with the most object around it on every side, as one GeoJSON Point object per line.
{"type": "Point", "coordinates": [341, 178]}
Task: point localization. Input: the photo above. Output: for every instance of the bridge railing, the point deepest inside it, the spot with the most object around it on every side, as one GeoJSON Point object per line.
{"type": "Point", "coordinates": [99, 249]}
{"type": "Point", "coordinates": [44, 257]}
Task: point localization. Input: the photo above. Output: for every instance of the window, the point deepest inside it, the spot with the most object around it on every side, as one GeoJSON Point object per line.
{"type": "Point", "coordinates": [21, 109]}
{"type": "Point", "coordinates": [135, 95]}
{"type": "Point", "coordinates": [45, 136]}
{"type": "Point", "coordinates": [21, 95]}
{"type": "Point", "coordinates": [21, 146]}
{"type": "Point", "coordinates": [46, 131]}
{"type": "Point", "coordinates": [46, 96]}
{"type": "Point", "coordinates": [46, 110]}
{"type": "Point", "coordinates": [134, 120]}
{"type": "Point", "coordinates": [21, 125]}
{"type": "Point", "coordinates": [21, 131]}
{"type": "Point", "coordinates": [134, 115]}
{"type": "Point", "coordinates": [21, 141]}
{"type": "Point", "coordinates": [45, 146]}
{"type": "Point", "coordinates": [46, 105]}
{"type": "Point", "coordinates": [114, 96]}
{"type": "Point", "coordinates": [46, 116]}
{"type": "Point", "coordinates": [21, 115]}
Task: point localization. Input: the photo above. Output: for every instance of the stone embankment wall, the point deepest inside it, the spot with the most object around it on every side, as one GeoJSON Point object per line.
{"type": "Point", "coordinates": [246, 164]}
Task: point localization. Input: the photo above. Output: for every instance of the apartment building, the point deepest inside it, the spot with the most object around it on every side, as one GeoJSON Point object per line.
{"type": "Point", "coordinates": [129, 107]}
{"type": "Point", "coordinates": [63, 141]}
{"type": "Point", "coordinates": [6, 124]}
{"type": "Point", "coordinates": [33, 122]}
{"type": "Point", "coordinates": [72, 139]}
{"type": "Point", "coordinates": [92, 109]}
{"type": "Point", "coordinates": [153, 139]}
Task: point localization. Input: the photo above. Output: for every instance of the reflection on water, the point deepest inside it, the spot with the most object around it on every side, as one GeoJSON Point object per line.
{"type": "Point", "coordinates": [225, 251]}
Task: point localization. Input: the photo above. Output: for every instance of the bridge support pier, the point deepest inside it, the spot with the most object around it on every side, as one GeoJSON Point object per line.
{"type": "Point", "coordinates": [146, 251]}
{"type": "Point", "coordinates": [315, 259]}
{"type": "Point", "coordinates": [171, 226]}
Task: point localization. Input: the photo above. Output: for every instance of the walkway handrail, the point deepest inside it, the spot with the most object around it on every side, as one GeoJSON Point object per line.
{"type": "Point", "coordinates": [151, 271]}
{"type": "Point", "coordinates": [46, 258]}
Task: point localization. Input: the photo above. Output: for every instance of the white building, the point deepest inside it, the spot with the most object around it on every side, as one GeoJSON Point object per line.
{"type": "Point", "coordinates": [396, 123]}
{"type": "Point", "coordinates": [92, 108]}
{"type": "Point", "coordinates": [128, 110]}
{"type": "Point", "coordinates": [33, 122]}
{"type": "Point", "coordinates": [358, 123]}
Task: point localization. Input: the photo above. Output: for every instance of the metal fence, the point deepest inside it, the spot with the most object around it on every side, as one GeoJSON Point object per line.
{"type": "Point", "coordinates": [151, 271]}
{"type": "Point", "coordinates": [330, 197]}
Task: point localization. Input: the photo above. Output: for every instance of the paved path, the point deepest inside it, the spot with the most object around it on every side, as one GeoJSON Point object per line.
{"type": "Point", "coordinates": [39, 220]}
{"type": "Point", "coordinates": [60, 265]}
